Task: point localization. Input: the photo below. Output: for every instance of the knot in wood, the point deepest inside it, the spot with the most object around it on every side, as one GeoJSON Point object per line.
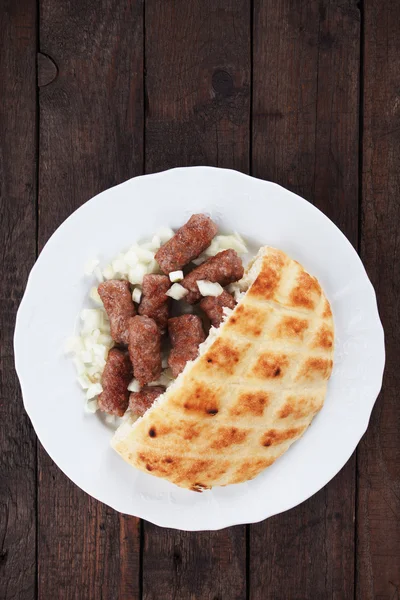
{"type": "Point", "coordinates": [222, 83]}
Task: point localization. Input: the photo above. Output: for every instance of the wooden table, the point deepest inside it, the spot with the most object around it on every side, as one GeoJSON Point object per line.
{"type": "Point", "coordinates": [304, 93]}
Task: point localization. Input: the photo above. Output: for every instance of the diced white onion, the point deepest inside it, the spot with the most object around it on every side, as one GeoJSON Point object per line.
{"type": "Point", "coordinates": [108, 272]}
{"type": "Point", "coordinates": [136, 295]}
{"type": "Point", "coordinates": [155, 242]}
{"type": "Point", "coordinates": [119, 266]}
{"type": "Point", "coordinates": [199, 261]}
{"type": "Point", "coordinates": [91, 406]}
{"type": "Point", "coordinates": [84, 381]}
{"type": "Point", "coordinates": [137, 273]}
{"type": "Point", "coordinates": [165, 379]}
{"type": "Point", "coordinates": [212, 249]}
{"type": "Point", "coordinates": [79, 365]}
{"type": "Point", "coordinates": [98, 274]}
{"type": "Point", "coordinates": [131, 258]}
{"type": "Point", "coordinates": [94, 390]}
{"type": "Point", "coordinates": [134, 386]}
{"type": "Point", "coordinates": [165, 234]}
{"type": "Point", "coordinates": [164, 362]}
{"type": "Point", "coordinates": [90, 266]}
{"type": "Point", "coordinates": [86, 356]}
{"type": "Point", "coordinates": [73, 345]}
{"type": "Point", "coordinates": [209, 288]}
{"type": "Point", "coordinates": [235, 242]}
{"type": "Point", "coordinates": [106, 340]}
{"type": "Point", "coordinates": [110, 419]}
{"type": "Point", "coordinates": [177, 291]}
{"type": "Point", "coordinates": [145, 256]}
{"type": "Point", "coordinates": [176, 276]}
{"type": "Point", "coordinates": [95, 296]}
{"type": "Point", "coordinates": [153, 267]}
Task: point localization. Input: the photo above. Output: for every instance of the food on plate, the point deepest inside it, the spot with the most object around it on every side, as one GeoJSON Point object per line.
{"type": "Point", "coordinates": [223, 268]}
{"type": "Point", "coordinates": [186, 333]}
{"type": "Point", "coordinates": [117, 299]}
{"type": "Point", "coordinates": [258, 382]}
{"type": "Point", "coordinates": [188, 242]}
{"type": "Point", "coordinates": [145, 349]}
{"type": "Point", "coordinates": [117, 374]}
{"type": "Point", "coordinates": [154, 302]}
{"type": "Point", "coordinates": [140, 402]}
{"type": "Point", "coordinates": [214, 307]}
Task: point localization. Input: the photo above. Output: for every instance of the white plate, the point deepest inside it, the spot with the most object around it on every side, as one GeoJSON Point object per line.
{"type": "Point", "coordinates": [264, 213]}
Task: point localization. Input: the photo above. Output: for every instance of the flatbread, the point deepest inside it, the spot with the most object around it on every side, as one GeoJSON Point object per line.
{"type": "Point", "coordinates": [260, 380]}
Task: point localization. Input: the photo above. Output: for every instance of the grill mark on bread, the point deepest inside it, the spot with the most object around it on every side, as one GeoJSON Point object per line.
{"type": "Point", "coordinates": [273, 437]}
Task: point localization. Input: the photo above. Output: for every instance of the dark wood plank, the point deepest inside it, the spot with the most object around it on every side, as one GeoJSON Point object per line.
{"type": "Point", "coordinates": [17, 254]}
{"type": "Point", "coordinates": [198, 109]}
{"type": "Point", "coordinates": [378, 517]}
{"type": "Point", "coordinates": [91, 137]}
{"type": "Point", "coordinates": [197, 83]}
{"type": "Point", "coordinates": [305, 137]}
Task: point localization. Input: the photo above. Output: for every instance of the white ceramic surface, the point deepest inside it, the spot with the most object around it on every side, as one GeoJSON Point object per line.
{"type": "Point", "coordinates": [264, 213]}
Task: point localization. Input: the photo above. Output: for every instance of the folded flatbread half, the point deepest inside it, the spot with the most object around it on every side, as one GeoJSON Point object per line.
{"type": "Point", "coordinates": [260, 379]}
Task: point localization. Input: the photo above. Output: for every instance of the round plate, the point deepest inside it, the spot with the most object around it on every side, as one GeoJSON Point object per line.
{"type": "Point", "coordinates": [264, 213]}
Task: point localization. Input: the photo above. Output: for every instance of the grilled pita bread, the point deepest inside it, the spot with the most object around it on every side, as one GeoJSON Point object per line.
{"type": "Point", "coordinates": [259, 381]}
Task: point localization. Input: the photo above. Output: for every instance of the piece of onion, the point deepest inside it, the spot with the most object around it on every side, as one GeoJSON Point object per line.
{"type": "Point", "coordinates": [209, 288]}
{"type": "Point", "coordinates": [177, 291]}
{"type": "Point", "coordinates": [94, 390]}
{"type": "Point", "coordinates": [136, 295]}
{"type": "Point", "coordinates": [134, 386]}
{"type": "Point", "coordinates": [176, 276]}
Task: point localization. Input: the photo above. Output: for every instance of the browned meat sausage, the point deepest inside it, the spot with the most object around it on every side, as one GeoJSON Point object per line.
{"type": "Point", "coordinates": [117, 374]}
{"type": "Point", "coordinates": [186, 333]}
{"type": "Point", "coordinates": [145, 349]}
{"type": "Point", "coordinates": [140, 402]}
{"type": "Point", "coordinates": [155, 304]}
{"type": "Point", "coordinates": [213, 307]}
{"type": "Point", "coordinates": [225, 267]}
{"type": "Point", "coordinates": [188, 242]}
{"type": "Point", "coordinates": [117, 300]}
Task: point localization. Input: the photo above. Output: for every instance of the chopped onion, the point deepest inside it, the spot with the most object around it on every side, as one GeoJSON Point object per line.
{"type": "Point", "coordinates": [91, 406]}
{"type": "Point", "coordinates": [145, 256]}
{"type": "Point", "coordinates": [155, 242]}
{"type": "Point", "coordinates": [212, 249]}
{"type": "Point", "coordinates": [177, 291]}
{"type": "Point", "coordinates": [165, 234]}
{"type": "Point", "coordinates": [235, 242]}
{"type": "Point", "coordinates": [136, 295]}
{"type": "Point", "coordinates": [73, 345]}
{"type": "Point", "coordinates": [108, 272]}
{"type": "Point", "coordinates": [153, 267]}
{"type": "Point", "coordinates": [176, 276]}
{"type": "Point", "coordinates": [98, 274]}
{"type": "Point", "coordinates": [94, 390]}
{"type": "Point", "coordinates": [209, 288]}
{"type": "Point", "coordinates": [164, 362]}
{"type": "Point", "coordinates": [84, 381]}
{"type": "Point", "coordinates": [119, 266]}
{"type": "Point", "coordinates": [134, 386]}
{"type": "Point", "coordinates": [131, 258]}
{"type": "Point", "coordinates": [106, 340]}
{"type": "Point", "coordinates": [79, 365]}
{"type": "Point", "coordinates": [137, 273]}
{"type": "Point", "coordinates": [199, 261]}
{"type": "Point", "coordinates": [90, 266]}
{"type": "Point", "coordinates": [95, 296]}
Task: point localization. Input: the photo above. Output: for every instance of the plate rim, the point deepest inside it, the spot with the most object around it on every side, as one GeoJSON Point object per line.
{"type": "Point", "coordinates": [363, 423]}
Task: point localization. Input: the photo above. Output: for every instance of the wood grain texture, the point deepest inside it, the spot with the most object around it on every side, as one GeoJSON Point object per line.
{"type": "Point", "coordinates": [197, 83]}
{"type": "Point", "coordinates": [91, 137]}
{"type": "Point", "coordinates": [198, 112]}
{"type": "Point", "coordinates": [378, 518]}
{"type": "Point", "coordinates": [305, 137]}
{"type": "Point", "coordinates": [17, 254]}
